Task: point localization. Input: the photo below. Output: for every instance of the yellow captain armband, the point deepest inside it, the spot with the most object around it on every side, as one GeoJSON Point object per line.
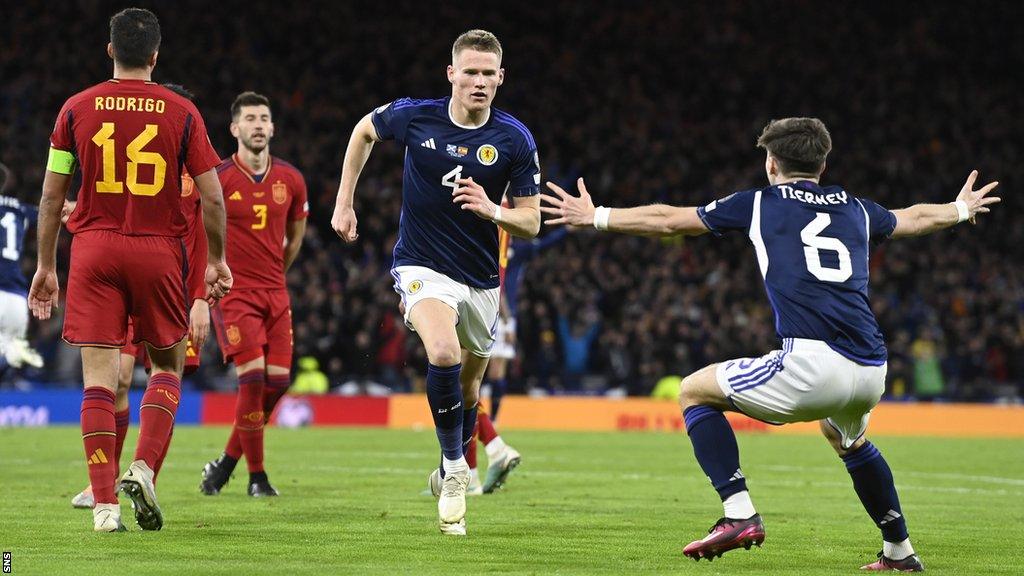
{"type": "Point", "coordinates": [61, 162]}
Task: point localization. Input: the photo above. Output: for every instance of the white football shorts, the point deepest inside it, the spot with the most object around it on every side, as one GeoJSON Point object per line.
{"type": "Point", "coordinates": [477, 308]}
{"type": "Point", "coordinates": [805, 381]}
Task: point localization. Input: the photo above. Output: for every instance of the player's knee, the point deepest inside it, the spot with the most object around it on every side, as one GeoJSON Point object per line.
{"type": "Point", "coordinates": [835, 440]}
{"type": "Point", "coordinates": [688, 395]}
{"type": "Point", "coordinates": [443, 354]}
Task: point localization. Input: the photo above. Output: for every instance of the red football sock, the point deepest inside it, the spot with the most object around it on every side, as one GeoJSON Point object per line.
{"type": "Point", "coordinates": [249, 418]}
{"type": "Point", "coordinates": [160, 461]}
{"type": "Point", "coordinates": [471, 449]}
{"type": "Point", "coordinates": [121, 425]}
{"type": "Point", "coordinates": [277, 385]}
{"type": "Point", "coordinates": [156, 417]}
{"type": "Point", "coordinates": [485, 427]}
{"type": "Point", "coordinates": [99, 435]}
{"type": "Point", "coordinates": [234, 445]}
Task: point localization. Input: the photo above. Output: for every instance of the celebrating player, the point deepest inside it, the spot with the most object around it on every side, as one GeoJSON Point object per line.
{"type": "Point", "coordinates": [461, 155]}
{"type": "Point", "coordinates": [199, 320]}
{"type": "Point", "coordinates": [131, 137]}
{"type": "Point", "coordinates": [812, 245]}
{"type": "Point", "coordinates": [267, 209]}
{"type": "Point", "coordinates": [15, 219]}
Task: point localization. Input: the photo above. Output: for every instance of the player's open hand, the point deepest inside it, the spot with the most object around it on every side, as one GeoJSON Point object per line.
{"type": "Point", "coordinates": [199, 323]}
{"type": "Point", "coordinates": [42, 296]}
{"type": "Point", "coordinates": [566, 208]}
{"type": "Point", "coordinates": [218, 280]}
{"type": "Point", "coordinates": [344, 223]}
{"type": "Point", "coordinates": [977, 202]}
{"type": "Point", "coordinates": [474, 198]}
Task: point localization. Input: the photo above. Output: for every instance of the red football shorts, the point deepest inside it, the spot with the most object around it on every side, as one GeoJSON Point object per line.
{"type": "Point", "coordinates": [255, 323]}
{"type": "Point", "coordinates": [192, 355]}
{"type": "Point", "coordinates": [114, 277]}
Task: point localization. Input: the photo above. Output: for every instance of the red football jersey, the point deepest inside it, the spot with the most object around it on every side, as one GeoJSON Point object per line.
{"type": "Point", "coordinates": [258, 208]}
{"type": "Point", "coordinates": [196, 245]}
{"type": "Point", "coordinates": [131, 138]}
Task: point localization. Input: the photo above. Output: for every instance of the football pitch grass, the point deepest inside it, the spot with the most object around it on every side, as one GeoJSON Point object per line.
{"type": "Point", "coordinates": [581, 503]}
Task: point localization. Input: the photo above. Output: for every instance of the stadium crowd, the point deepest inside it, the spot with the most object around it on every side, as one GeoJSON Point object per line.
{"type": "Point", "coordinates": [653, 101]}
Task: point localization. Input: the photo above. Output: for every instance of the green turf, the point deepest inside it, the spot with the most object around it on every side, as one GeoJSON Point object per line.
{"type": "Point", "coordinates": [580, 504]}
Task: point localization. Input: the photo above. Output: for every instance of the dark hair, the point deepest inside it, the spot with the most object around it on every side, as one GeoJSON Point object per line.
{"type": "Point", "coordinates": [479, 40]}
{"type": "Point", "coordinates": [135, 35]}
{"type": "Point", "coordinates": [800, 145]}
{"type": "Point", "coordinates": [247, 98]}
{"type": "Point", "coordinates": [179, 90]}
{"type": "Point", "coordinates": [5, 176]}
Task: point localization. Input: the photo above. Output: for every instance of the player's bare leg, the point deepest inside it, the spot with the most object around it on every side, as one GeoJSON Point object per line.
{"type": "Point", "coordinates": [85, 499]}
{"type": "Point", "coordinates": [156, 420]}
{"type": "Point", "coordinates": [873, 482]}
{"type": "Point", "coordinates": [434, 322]}
{"type": "Point", "coordinates": [714, 445]}
{"type": "Point", "coordinates": [473, 370]}
{"type": "Point", "coordinates": [99, 374]}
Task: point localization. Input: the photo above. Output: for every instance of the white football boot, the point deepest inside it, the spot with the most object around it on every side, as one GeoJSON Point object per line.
{"type": "Point", "coordinates": [451, 506]}
{"type": "Point", "coordinates": [137, 483]}
{"type": "Point", "coordinates": [84, 499]}
{"type": "Point", "coordinates": [107, 518]}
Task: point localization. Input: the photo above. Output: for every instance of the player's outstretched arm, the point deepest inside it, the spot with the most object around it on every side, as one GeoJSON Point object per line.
{"type": "Point", "coordinates": [522, 220]}
{"type": "Point", "coordinates": [360, 144]}
{"type": "Point", "coordinates": [45, 290]}
{"type": "Point", "coordinates": [921, 219]}
{"type": "Point", "coordinates": [653, 220]}
{"type": "Point", "coordinates": [218, 275]}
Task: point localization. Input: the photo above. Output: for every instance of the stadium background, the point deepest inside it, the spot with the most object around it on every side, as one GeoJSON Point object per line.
{"type": "Point", "coordinates": [650, 102]}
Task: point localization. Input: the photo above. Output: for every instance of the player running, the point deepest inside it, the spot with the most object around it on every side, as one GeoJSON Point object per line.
{"type": "Point", "coordinates": [460, 157]}
{"type": "Point", "coordinates": [199, 321]}
{"type": "Point", "coordinates": [15, 219]}
{"type": "Point", "coordinates": [812, 245]}
{"type": "Point", "coordinates": [131, 137]}
{"type": "Point", "coordinates": [266, 206]}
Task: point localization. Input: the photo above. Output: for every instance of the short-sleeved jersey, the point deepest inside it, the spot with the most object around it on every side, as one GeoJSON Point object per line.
{"type": "Point", "coordinates": [196, 244]}
{"type": "Point", "coordinates": [520, 252]}
{"type": "Point", "coordinates": [258, 209]}
{"type": "Point", "coordinates": [812, 246]}
{"type": "Point", "coordinates": [15, 219]}
{"type": "Point", "coordinates": [434, 232]}
{"type": "Point", "coordinates": [132, 140]}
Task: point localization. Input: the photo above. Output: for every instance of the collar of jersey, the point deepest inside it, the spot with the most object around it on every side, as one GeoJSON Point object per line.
{"type": "Point", "coordinates": [448, 108]}
{"type": "Point", "coordinates": [254, 178]}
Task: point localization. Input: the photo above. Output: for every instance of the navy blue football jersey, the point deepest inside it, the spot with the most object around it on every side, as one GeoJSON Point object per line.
{"type": "Point", "coordinates": [812, 246]}
{"type": "Point", "coordinates": [433, 231]}
{"type": "Point", "coordinates": [15, 218]}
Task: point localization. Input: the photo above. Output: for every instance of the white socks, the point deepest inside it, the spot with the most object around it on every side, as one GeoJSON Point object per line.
{"type": "Point", "coordinates": [495, 448]}
{"type": "Point", "coordinates": [453, 466]}
{"type": "Point", "coordinates": [739, 506]}
{"type": "Point", "coordinates": [897, 551]}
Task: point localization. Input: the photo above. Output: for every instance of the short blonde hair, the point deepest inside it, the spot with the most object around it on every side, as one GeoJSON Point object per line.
{"type": "Point", "coordinates": [479, 40]}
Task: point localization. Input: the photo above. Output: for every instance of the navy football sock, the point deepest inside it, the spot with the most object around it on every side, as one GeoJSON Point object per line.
{"type": "Point", "coordinates": [714, 445]}
{"type": "Point", "coordinates": [444, 394]}
{"type": "Point", "coordinates": [872, 479]}
{"type": "Point", "coordinates": [497, 391]}
{"type": "Point", "coordinates": [468, 424]}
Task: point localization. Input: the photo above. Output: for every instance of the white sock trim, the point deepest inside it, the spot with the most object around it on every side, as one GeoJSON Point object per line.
{"type": "Point", "coordinates": [897, 550]}
{"type": "Point", "coordinates": [451, 466]}
{"type": "Point", "coordinates": [739, 506]}
{"type": "Point", "coordinates": [495, 447]}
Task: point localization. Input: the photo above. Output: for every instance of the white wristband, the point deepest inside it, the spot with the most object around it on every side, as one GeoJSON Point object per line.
{"type": "Point", "coordinates": [497, 215]}
{"type": "Point", "coordinates": [962, 211]}
{"type": "Point", "coordinates": [601, 217]}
